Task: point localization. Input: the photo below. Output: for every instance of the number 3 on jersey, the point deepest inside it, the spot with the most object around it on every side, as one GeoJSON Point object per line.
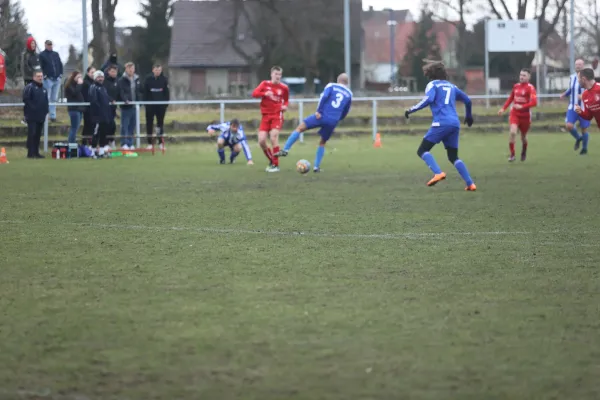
{"type": "Point", "coordinates": [338, 100]}
{"type": "Point", "coordinates": [448, 91]}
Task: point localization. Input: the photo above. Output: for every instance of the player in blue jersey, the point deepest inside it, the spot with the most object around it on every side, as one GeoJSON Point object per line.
{"type": "Point", "coordinates": [333, 107]}
{"type": "Point", "coordinates": [574, 94]}
{"type": "Point", "coordinates": [231, 135]}
{"type": "Point", "coordinates": [441, 96]}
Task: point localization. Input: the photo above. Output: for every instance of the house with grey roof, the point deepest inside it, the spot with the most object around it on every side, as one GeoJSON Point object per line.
{"type": "Point", "coordinates": [203, 59]}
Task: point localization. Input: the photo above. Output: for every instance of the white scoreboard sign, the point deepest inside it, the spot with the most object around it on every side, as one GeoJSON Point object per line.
{"type": "Point", "coordinates": [512, 36]}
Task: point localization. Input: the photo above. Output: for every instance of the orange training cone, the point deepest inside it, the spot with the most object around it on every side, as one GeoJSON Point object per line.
{"type": "Point", "coordinates": [3, 159]}
{"type": "Point", "coordinates": [377, 140]}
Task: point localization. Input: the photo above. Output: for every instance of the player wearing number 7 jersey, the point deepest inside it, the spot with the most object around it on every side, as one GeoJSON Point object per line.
{"type": "Point", "coordinates": [334, 105]}
{"type": "Point", "coordinates": [441, 96]}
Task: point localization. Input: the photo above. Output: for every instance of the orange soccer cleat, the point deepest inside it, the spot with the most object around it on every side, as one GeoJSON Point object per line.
{"type": "Point", "coordinates": [471, 188]}
{"type": "Point", "coordinates": [436, 178]}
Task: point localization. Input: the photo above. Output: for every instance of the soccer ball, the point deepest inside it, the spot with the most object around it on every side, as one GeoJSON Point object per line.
{"type": "Point", "coordinates": [303, 166]}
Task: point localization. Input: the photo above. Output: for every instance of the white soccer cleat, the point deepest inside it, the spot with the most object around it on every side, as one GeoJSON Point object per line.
{"type": "Point", "coordinates": [149, 147]}
{"type": "Point", "coordinates": [272, 168]}
{"type": "Point", "coordinates": [124, 147]}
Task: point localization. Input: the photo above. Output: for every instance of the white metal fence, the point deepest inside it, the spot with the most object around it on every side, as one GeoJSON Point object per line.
{"type": "Point", "coordinates": [374, 102]}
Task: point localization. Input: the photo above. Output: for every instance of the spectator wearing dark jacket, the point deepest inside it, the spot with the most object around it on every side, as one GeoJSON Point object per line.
{"type": "Point", "coordinates": [129, 91]}
{"type": "Point", "coordinates": [112, 88]}
{"type": "Point", "coordinates": [88, 127]}
{"type": "Point", "coordinates": [30, 61]}
{"type": "Point", "coordinates": [73, 88]}
{"type": "Point", "coordinates": [100, 113]}
{"type": "Point", "coordinates": [53, 70]}
{"type": "Point", "coordinates": [35, 97]}
{"type": "Point", "coordinates": [156, 88]}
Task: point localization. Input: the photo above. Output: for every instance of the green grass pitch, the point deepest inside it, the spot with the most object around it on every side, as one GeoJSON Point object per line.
{"type": "Point", "coordinates": [173, 277]}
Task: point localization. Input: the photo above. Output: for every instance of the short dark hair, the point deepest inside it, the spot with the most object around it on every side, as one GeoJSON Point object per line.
{"type": "Point", "coordinates": [234, 122]}
{"type": "Point", "coordinates": [112, 66]}
{"type": "Point", "coordinates": [91, 67]}
{"type": "Point", "coordinates": [526, 70]}
{"type": "Point", "coordinates": [157, 66]}
{"type": "Point", "coordinates": [435, 71]}
{"type": "Point", "coordinates": [276, 68]}
{"type": "Point", "coordinates": [587, 73]}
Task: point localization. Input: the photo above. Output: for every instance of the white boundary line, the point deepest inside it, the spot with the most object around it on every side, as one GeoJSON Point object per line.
{"type": "Point", "coordinates": [389, 236]}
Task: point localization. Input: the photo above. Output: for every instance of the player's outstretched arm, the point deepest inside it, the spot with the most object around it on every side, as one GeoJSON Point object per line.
{"type": "Point", "coordinates": [508, 102]}
{"type": "Point", "coordinates": [246, 149]}
{"type": "Point", "coordinates": [427, 100]}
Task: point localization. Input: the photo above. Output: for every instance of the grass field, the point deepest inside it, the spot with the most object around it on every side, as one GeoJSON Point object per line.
{"type": "Point", "coordinates": [173, 277]}
{"type": "Point", "coordinates": [186, 114]}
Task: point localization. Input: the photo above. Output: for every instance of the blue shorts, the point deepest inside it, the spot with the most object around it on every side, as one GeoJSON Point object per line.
{"type": "Point", "coordinates": [572, 117]}
{"type": "Point", "coordinates": [227, 142]}
{"type": "Point", "coordinates": [446, 134]}
{"type": "Point", "coordinates": [326, 127]}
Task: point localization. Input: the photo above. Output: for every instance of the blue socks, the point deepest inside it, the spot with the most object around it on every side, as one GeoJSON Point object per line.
{"type": "Point", "coordinates": [574, 133]}
{"type": "Point", "coordinates": [431, 163]}
{"type": "Point", "coordinates": [584, 140]}
{"type": "Point", "coordinates": [319, 157]}
{"type": "Point", "coordinates": [291, 140]}
{"type": "Point", "coordinates": [233, 155]}
{"type": "Point", "coordinates": [463, 171]}
{"type": "Point", "coordinates": [221, 154]}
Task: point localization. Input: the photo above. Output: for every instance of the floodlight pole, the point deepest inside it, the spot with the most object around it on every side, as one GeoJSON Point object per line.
{"type": "Point", "coordinates": [347, 40]}
{"type": "Point", "coordinates": [85, 38]}
{"type": "Point", "coordinates": [487, 66]}
{"type": "Point", "coordinates": [572, 42]}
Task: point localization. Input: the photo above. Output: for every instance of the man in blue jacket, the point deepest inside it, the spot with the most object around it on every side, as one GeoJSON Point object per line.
{"type": "Point", "coordinates": [35, 98]}
{"type": "Point", "coordinates": [52, 68]}
{"type": "Point", "coordinates": [101, 114]}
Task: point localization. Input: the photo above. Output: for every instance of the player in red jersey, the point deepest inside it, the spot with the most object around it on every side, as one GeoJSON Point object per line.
{"type": "Point", "coordinates": [275, 97]}
{"type": "Point", "coordinates": [524, 97]}
{"type": "Point", "coordinates": [590, 97]}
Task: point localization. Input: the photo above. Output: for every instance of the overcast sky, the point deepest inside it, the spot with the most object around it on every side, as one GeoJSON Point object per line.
{"type": "Point", "coordinates": [63, 24]}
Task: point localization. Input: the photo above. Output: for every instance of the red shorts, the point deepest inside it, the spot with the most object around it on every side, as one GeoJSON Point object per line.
{"type": "Point", "coordinates": [522, 121]}
{"type": "Point", "coordinates": [270, 122]}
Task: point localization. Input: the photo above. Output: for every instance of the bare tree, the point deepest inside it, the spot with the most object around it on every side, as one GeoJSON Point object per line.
{"type": "Point", "coordinates": [103, 29]}
{"type": "Point", "coordinates": [589, 29]}
{"type": "Point", "coordinates": [108, 11]}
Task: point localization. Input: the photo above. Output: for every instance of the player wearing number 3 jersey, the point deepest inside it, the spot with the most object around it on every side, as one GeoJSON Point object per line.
{"type": "Point", "coordinates": [334, 105]}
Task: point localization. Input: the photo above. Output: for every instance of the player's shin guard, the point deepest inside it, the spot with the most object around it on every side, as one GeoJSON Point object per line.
{"type": "Point", "coordinates": [585, 138]}
{"type": "Point", "coordinates": [431, 163]}
{"type": "Point", "coordinates": [221, 155]}
{"type": "Point", "coordinates": [574, 133]}
{"type": "Point", "coordinates": [233, 155]}
{"type": "Point", "coordinates": [463, 171]}
{"type": "Point", "coordinates": [291, 140]}
{"type": "Point", "coordinates": [319, 156]}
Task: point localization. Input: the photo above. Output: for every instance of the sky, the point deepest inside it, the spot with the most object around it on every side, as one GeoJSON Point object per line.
{"type": "Point", "coordinates": [63, 25]}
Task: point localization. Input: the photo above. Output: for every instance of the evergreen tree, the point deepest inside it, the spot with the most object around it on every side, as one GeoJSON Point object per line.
{"type": "Point", "coordinates": [422, 44]}
{"type": "Point", "coordinates": [155, 39]}
{"type": "Point", "coordinates": [13, 36]}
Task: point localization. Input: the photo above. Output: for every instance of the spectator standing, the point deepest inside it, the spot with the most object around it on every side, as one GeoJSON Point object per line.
{"type": "Point", "coordinates": [156, 88]}
{"type": "Point", "coordinates": [129, 91]}
{"type": "Point", "coordinates": [30, 63]}
{"type": "Point", "coordinates": [53, 69]}
{"type": "Point", "coordinates": [74, 94]}
{"type": "Point", "coordinates": [88, 127]}
{"type": "Point", "coordinates": [35, 97]}
{"type": "Point", "coordinates": [112, 88]}
{"type": "Point", "coordinates": [100, 113]}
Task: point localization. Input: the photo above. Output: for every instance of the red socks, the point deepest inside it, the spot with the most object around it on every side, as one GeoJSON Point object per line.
{"type": "Point", "coordinates": [511, 146]}
{"type": "Point", "coordinates": [275, 158]}
{"type": "Point", "coordinates": [269, 154]}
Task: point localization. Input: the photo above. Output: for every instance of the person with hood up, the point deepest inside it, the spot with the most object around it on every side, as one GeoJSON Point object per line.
{"type": "Point", "coordinates": [112, 60]}
{"type": "Point", "coordinates": [129, 91]}
{"type": "Point", "coordinates": [30, 63]}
